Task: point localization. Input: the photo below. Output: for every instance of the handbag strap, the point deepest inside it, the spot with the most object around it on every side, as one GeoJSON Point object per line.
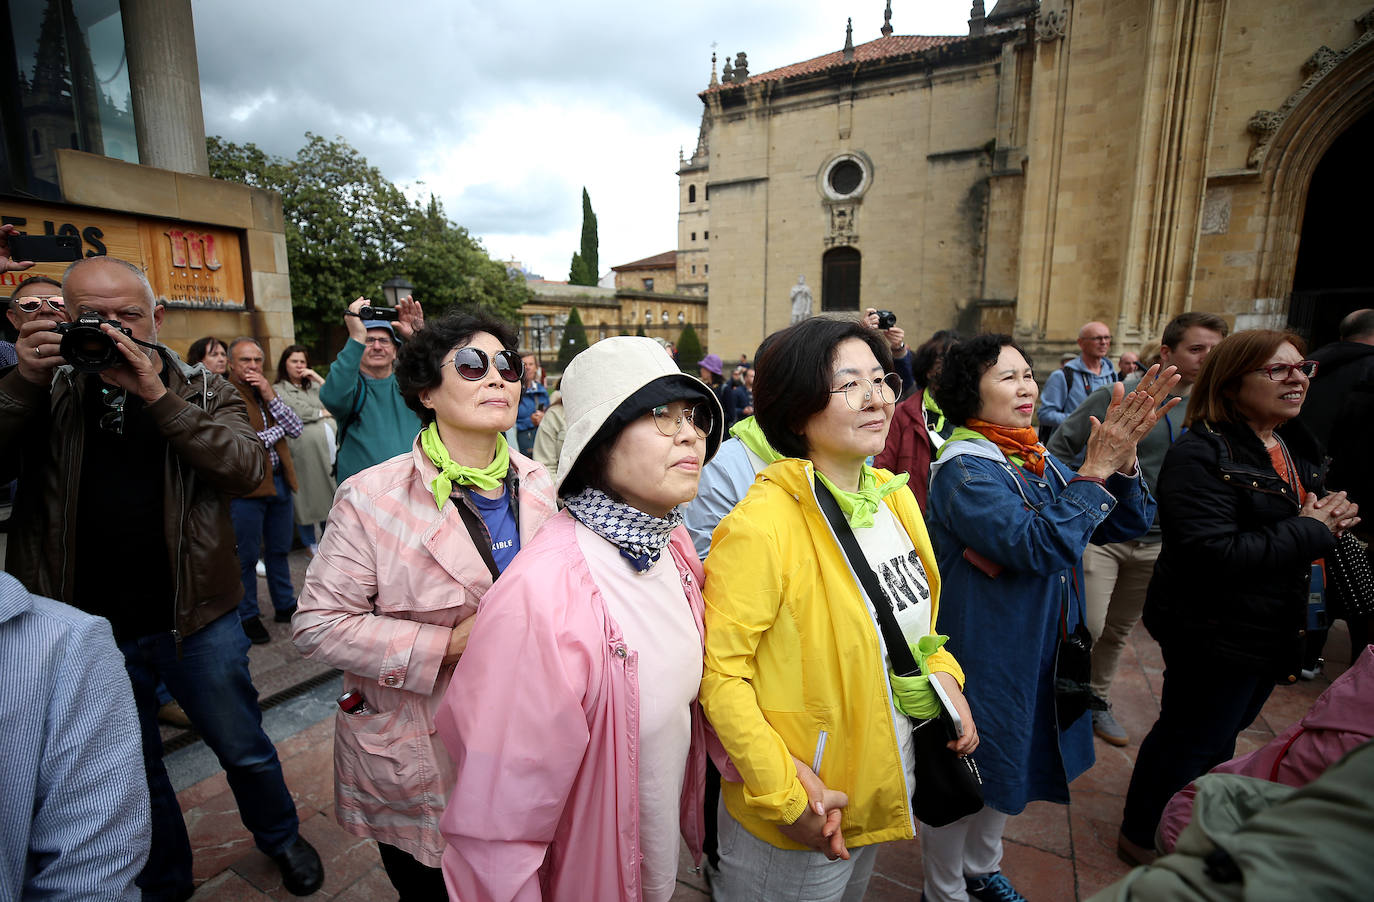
{"type": "Point", "coordinates": [898, 652]}
{"type": "Point", "coordinates": [480, 537]}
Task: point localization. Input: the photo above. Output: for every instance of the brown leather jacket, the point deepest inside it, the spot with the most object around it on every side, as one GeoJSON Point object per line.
{"type": "Point", "coordinates": [259, 417]}
{"type": "Point", "coordinates": [212, 453]}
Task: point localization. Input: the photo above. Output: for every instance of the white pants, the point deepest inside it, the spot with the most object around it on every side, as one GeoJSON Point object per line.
{"type": "Point", "coordinates": [752, 870]}
{"type": "Point", "coordinates": [970, 846]}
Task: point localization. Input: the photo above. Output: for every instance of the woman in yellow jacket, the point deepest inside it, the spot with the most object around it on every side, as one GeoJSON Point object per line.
{"type": "Point", "coordinates": [796, 671]}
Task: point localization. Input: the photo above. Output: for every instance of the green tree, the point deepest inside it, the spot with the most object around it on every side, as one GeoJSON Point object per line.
{"type": "Point", "coordinates": [574, 339]}
{"type": "Point", "coordinates": [640, 331]}
{"type": "Point", "coordinates": [586, 266]}
{"type": "Point", "coordinates": [689, 349]}
{"type": "Point", "coordinates": [349, 229]}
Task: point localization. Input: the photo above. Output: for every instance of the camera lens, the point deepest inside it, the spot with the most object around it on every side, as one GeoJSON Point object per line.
{"type": "Point", "coordinates": [87, 348]}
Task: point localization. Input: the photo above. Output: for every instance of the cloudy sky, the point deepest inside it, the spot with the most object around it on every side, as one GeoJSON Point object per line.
{"type": "Point", "coordinates": [506, 110]}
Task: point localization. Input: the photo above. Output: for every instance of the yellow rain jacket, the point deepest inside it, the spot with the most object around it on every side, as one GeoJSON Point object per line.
{"type": "Point", "coordinates": [794, 662]}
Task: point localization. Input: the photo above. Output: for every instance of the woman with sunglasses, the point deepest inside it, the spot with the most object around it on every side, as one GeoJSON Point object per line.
{"type": "Point", "coordinates": [413, 545]}
{"type": "Point", "coordinates": [37, 297]}
{"type": "Point", "coordinates": [1243, 516]}
{"type": "Point", "coordinates": [573, 717]}
{"type": "Point", "coordinates": [797, 671]}
{"type": "Point", "coordinates": [211, 353]}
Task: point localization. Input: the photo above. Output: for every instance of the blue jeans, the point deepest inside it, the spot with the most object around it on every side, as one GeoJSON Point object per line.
{"type": "Point", "coordinates": [211, 682]}
{"type": "Point", "coordinates": [267, 524]}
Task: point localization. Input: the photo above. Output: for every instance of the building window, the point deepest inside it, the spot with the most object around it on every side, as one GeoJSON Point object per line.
{"type": "Point", "coordinates": [648, 316]}
{"type": "Point", "coordinates": [694, 236]}
{"type": "Point", "coordinates": [708, 192]}
{"type": "Point", "coordinates": [694, 269]}
{"type": "Point", "coordinates": [681, 318]}
{"type": "Point", "coordinates": [840, 279]}
{"type": "Point", "coordinates": [846, 177]}
{"type": "Point", "coordinates": [691, 194]}
{"type": "Point", "coordinates": [705, 236]}
{"type": "Point", "coordinates": [665, 317]}
{"type": "Point", "coordinates": [708, 267]}
{"type": "Point", "coordinates": [648, 284]}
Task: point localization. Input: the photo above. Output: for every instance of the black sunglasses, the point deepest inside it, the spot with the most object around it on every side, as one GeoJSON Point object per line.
{"type": "Point", "coordinates": [472, 364]}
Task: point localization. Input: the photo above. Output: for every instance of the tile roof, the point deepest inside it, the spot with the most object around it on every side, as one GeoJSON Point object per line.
{"type": "Point", "coordinates": [882, 48]}
{"type": "Point", "coordinates": [667, 259]}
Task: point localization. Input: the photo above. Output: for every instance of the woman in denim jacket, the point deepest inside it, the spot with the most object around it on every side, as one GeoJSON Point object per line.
{"type": "Point", "coordinates": [1010, 524]}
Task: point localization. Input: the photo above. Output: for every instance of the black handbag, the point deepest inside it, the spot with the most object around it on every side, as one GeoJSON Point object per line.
{"type": "Point", "coordinates": [947, 786]}
{"type": "Point", "coordinates": [1073, 665]}
{"type": "Point", "coordinates": [1349, 578]}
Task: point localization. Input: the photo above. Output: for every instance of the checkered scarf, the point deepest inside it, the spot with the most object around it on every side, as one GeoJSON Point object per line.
{"type": "Point", "coordinates": [640, 537]}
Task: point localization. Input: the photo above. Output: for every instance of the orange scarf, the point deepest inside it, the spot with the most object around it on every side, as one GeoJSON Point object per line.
{"type": "Point", "coordinates": [1021, 445]}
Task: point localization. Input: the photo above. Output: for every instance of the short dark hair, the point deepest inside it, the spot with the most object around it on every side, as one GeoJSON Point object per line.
{"type": "Point", "coordinates": [962, 371]}
{"type": "Point", "coordinates": [1359, 324]}
{"type": "Point", "coordinates": [420, 363]}
{"type": "Point", "coordinates": [792, 382]}
{"type": "Point", "coordinates": [35, 280]}
{"type": "Point", "coordinates": [203, 346]}
{"type": "Point", "coordinates": [925, 357]}
{"type": "Point", "coordinates": [281, 363]}
{"type": "Point", "coordinates": [1173, 333]}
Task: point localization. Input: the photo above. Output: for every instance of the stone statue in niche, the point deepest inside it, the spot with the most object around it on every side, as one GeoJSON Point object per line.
{"type": "Point", "coordinates": [801, 300]}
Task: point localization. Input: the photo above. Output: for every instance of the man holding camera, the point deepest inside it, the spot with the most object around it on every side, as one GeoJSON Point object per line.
{"type": "Point", "coordinates": [124, 512]}
{"type": "Point", "coordinates": [263, 518]}
{"type": "Point", "coordinates": [360, 391]}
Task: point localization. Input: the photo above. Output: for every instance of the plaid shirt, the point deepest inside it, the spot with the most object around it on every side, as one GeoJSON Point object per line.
{"type": "Point", "coordinates": [285, 424]}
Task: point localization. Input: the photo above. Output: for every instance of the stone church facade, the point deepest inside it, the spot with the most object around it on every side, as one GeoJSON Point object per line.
{"type": "Point", "coordinates": [1066, 160]}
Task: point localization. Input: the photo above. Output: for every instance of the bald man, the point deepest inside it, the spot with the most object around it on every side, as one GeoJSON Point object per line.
{"type": "Point", "coordinates": [1340, 366]}
{"type": "Point", "coordinates": [1070, 385]}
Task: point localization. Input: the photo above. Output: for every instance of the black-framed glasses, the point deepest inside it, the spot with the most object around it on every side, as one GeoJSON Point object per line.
{"type": "Point", "coordinates": [859, 393]}
{"type": "Point", "coordinates": [112, 420]}
{"type": "Point", "coordinates": [32, 303]}
{"type": "Point", "coordinates": [669, 421]}
{"type": "Point", "coordinates": [472, 364]}
{"type": "Point", "coordinates": [1278, 372]}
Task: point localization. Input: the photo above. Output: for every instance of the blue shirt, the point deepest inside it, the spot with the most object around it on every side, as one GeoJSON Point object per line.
{"type": "Point", "coordinates": [530, 399]}
{"type": "Point", "coordinates": [500, 520]}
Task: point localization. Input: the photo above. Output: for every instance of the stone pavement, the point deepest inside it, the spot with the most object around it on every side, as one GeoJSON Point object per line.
{"type": "Point", "coordinates": [1053, 852]}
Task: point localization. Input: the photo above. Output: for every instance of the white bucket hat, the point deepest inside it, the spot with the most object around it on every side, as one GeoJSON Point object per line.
{"type": "Point", "coordinates": [601, 379]}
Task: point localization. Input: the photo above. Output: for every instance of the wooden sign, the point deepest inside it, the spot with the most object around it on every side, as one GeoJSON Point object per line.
{"type": "Point", "coordinates": [188, 264]}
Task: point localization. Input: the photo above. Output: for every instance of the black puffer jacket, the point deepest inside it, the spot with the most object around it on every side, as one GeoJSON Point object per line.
{"type": "Point", "coordinates": [1233, 575]}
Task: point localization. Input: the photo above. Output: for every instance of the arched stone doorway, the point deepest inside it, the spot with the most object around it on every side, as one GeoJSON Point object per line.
{"type": "Point", "coordinates": [1334, 273]}
{"type": "Point", "coordinates": [840, 268]}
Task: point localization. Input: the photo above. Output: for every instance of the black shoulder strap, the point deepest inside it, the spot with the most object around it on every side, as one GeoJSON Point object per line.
{"type": "Point", "coordinates": [903, 662]}
{"type": "Point", "coordinates": [354, 412]}
{"type": "Point", "coordinates": [479, 534]}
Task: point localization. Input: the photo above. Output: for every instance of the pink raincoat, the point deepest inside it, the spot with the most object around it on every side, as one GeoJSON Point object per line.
{"type": "Point", "coordinates": [542, 721]}
{"type": "Point", "coordinates": [1340, 719]}
{"type": "Point", "coordinates": [393, 576]}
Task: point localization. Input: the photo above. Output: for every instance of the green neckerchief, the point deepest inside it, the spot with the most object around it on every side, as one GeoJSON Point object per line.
{"type": "Point", "coordinates": [928, 402]}
{"type": "Point", "coordinates": [963, 432]}
{"type": "Point", "coordinates": [487, 478]}
{"type": "Point", "coordinates": [751, 434]}
{"type": "Point", "coordinates": [860, 506]}
{"type": "Point", "coordinates": [913, 695]}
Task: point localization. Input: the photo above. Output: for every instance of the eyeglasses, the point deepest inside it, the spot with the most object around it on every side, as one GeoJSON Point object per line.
{"type": "Point", "coordinates": [472, 364]}
{"type": "Point", "coordinates": [380, 340]}
{"type": "Point", "coordinates": [112, 420]}
{"type": "Point", "coordinates": [33, 302]}
{"type": "Point", "coordinates": [1278, 372]}
{"type": "Point", "coordinates": [859, 393]}
{"type": "Point", "coordinates": [699, 415]}
{"type": "Point", "coordinates": [1098, 337]}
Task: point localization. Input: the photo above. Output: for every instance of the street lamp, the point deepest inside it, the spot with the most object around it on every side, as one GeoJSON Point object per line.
{"type": "Point", "coordinates": [537, 321]}
{"type": "Point", "coordinates": [396, 288]}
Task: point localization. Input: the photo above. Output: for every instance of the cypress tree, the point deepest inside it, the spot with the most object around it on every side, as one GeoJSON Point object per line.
{"type": "Point", "coordinates": [688, 349]}
{"type": "Point", "coordinates": [590, 256]}
{"type": "Point", "coordinates": [574, 339]}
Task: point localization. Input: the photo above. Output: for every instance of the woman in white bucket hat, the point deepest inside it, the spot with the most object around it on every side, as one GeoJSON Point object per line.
{"type": "Point", "coordinates": [573, 717]}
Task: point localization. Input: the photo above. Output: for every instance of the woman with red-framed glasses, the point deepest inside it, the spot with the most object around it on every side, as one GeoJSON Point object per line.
{"type": "Point", "coordinates": [412, 546]}
{"type": "Point", "coordinates": [37, 297]}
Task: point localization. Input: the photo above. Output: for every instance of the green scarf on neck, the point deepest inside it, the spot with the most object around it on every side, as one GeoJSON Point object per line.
{"type": "Point", "coordinates": [751, 434]}
{"type": "Point", "coordinates": [487, 478]}
{"type": "Point", "coordinates": [859, 507]}
{"type": "Point", "coordinates": [928, 403]}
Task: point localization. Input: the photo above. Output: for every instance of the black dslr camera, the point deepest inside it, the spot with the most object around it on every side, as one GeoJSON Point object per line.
{"type": "Point", "coordinates": [88, 348]}
{"type": "Point", "coordinates": [886, 319]}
